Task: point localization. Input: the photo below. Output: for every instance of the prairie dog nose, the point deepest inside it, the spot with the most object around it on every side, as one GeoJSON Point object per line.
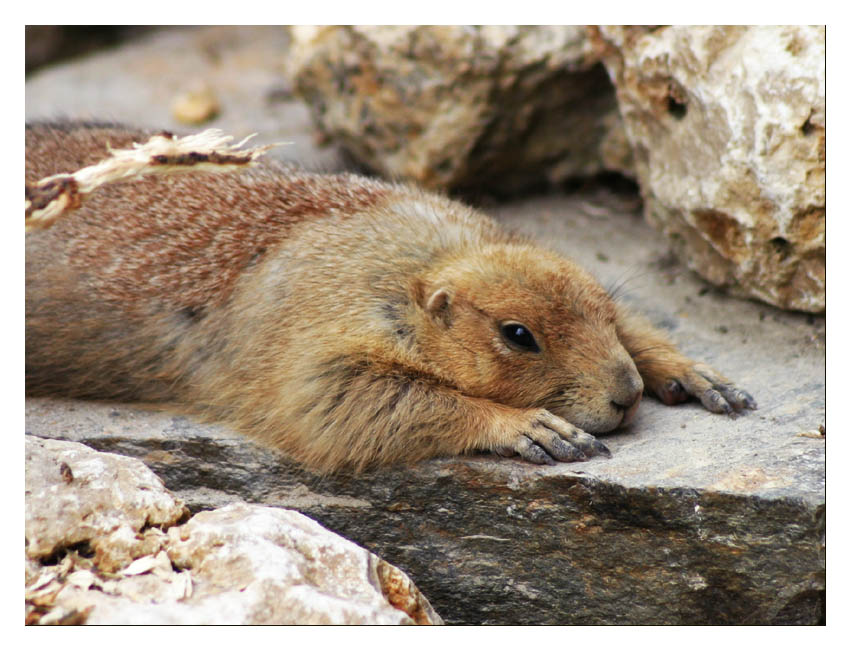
{"type": "Point", "coordinates": [627, 390]}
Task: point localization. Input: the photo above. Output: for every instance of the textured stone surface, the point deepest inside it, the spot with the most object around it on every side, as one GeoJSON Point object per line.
{"type": "Point", "coordinates": [632, 540]}
{"type": "Point", "coordinates": [240, 564]}
{"type": "Point", "coordinates": [500, 107]}
{"type": "Point", "coordinates": [284, 568]}
{"type": "Point", "coordinates": [75, 496]}
{"type": "Point", "coordinates": [728, 130]}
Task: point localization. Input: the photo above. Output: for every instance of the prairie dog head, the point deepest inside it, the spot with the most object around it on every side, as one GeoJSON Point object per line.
{"type": "Point", "coordinates": [526, 328]}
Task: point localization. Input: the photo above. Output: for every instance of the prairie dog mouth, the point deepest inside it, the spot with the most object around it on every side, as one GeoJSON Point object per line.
{"type": "Point", "coordinates": [629, 412]}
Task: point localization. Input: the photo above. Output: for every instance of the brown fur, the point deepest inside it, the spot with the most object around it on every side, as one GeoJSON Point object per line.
{"type": "Point", "coordinates": [345, 321]}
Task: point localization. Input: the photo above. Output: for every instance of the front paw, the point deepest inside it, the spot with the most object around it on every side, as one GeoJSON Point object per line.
{"type": "Point", "coordinates": [714, 391]}
{"type": "Point", "coordinates": [541, 437]}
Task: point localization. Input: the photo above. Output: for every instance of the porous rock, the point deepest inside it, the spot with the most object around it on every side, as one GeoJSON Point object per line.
{"type": "Point", "coordinates": [727, 125]}
{"type": "Point", "coordinates": [240, 564]}
{"type": "Point", "coordinates": [282, 567]}
{"type": "Point", "coordinates": [76, 496]}
{"type": "Point", "coordinates": [501, 107]}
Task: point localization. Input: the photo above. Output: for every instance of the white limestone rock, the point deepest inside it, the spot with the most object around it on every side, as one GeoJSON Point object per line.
{"type": "Point", "coordinates": [113, 504]}
{"type": "Point", "coordinates": [263, 565]}
{"type": "Point", "coordinates": [728, 130]}
{"type": "Point", "coordinates": [240, 564]}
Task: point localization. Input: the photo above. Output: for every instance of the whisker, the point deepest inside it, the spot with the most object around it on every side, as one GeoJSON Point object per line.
{"type": "Point", "coordinates": [617, 288]}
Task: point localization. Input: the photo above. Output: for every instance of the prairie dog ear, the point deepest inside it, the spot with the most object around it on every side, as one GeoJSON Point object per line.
{"type": "Point", "coordinates": [438, 301]}
{"type": "Point", "coordinates": [438, 304]}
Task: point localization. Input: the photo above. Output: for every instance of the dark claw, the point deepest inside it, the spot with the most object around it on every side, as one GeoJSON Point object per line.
{"type": "Point", "coordinates": [564, 451]}
{"type": "Point", "coordinates": [736, 397]}
{"type": "Point", "coordinates": [715, 402]}
{"type": "Point", "coordinates": [536, 454]}
{"type": "Point", "coordinates": [588, 445]}
{"type": "Point", "coordinates": [747, 400]}
{"type": "Point", "coordinates": [601, 449]}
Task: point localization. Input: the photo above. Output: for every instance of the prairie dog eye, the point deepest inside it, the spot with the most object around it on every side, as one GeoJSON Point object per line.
{"type": "Point", "coordinates": [519, 337]}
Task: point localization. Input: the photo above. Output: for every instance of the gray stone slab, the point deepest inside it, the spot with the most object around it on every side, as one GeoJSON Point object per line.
{"type": "Point", "coordinates": [504, 542]}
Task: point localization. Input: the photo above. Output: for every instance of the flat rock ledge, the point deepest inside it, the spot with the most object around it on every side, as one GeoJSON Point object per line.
{"type": "Point", "coordinates": [107, 543]}
{"type": "Point", "coordinates": [498, 541]}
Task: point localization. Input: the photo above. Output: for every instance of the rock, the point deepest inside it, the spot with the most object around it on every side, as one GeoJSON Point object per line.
{"type": "Point", "coordinates": [728, 130]}
{"type": "Point", "coordinates": [498, 107]}
{"type": "Point", "coordinates": [196, 105]}
{"type": "Point", "coordinates": [675, 529]}
{"type": "Point", "coordinates": [283, 568]}
{"type": "Point", "coordinates": [75, 497]}
{"type": "Point", "coordinates": [739, 191]}
{"type": "Point", "coordinates": [240, 564]}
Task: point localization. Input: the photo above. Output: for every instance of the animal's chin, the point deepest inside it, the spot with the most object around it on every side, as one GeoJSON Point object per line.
{"type": "Point", "coordinates": [593, 423]}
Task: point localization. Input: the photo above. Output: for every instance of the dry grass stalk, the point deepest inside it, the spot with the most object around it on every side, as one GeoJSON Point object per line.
{"type": "Point", "coordinates": [164, 153]}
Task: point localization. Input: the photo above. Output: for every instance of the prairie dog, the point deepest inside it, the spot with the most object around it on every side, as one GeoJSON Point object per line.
{"type": "Point", "coordinates": [348, 322]}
